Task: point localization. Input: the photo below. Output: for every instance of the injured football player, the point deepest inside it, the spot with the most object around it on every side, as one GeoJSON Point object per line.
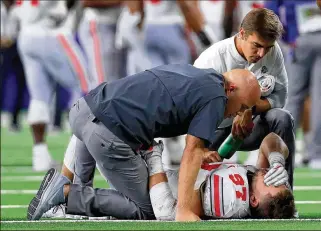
{"type": "Point", "coordinates": [225, 190]}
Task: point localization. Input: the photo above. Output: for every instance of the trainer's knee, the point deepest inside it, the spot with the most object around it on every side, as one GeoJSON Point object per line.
{"type": "Point", "coordinates": [281, 118]}
{"type": "Point", "coordinates": [38, 112]}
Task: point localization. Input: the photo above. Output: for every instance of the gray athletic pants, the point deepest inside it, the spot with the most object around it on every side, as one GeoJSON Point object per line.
{"type": "Point", "coordinates": [123, 167]}
{"type": "Point", "coordinates": [166, 44]}
{"type": "Point", "coordinates": [98, 42]}
{"type": "Point", "coordinates": [275, 120]}
{"type": "Point", "coordinates": [305, 78]}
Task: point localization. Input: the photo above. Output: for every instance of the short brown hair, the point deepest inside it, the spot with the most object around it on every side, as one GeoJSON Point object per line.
{"type": "Point", "coordinates": [264, 22]}
{"type": "Point", "coordinates": [281, 206]}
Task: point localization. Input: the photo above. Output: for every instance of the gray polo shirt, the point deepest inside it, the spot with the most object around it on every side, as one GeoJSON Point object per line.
{"type": "Point", "coordinates": [165, 101]}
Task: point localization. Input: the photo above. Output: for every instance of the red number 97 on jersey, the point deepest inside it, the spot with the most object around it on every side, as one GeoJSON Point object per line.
{"type": "Point", "coordinates": [32, 2]}
{"type": "Point", "coordinates": [237, 179]}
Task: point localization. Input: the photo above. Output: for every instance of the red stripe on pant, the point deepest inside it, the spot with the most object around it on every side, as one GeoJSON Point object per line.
{"type": "Point", "coordinates": [75, 62]}
{"type": "Point", "coordinates": [97, 50]}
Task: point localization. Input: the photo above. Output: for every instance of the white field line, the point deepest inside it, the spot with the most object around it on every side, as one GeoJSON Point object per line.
{"type": "Point", "coordinates": [213, 221]}
{"type": "Point", "coordinates": [306, 188]}
{"type": "Point", "coordinates": [6, 192]}
{"type": "Point", "coordinates": [307, 202]}
{"type": "Point", "coordinates": [26, 206]}
{"type": "Point", "coordinates": [142, 221]}
{"type": "Point", "coordinates": [14, 206]}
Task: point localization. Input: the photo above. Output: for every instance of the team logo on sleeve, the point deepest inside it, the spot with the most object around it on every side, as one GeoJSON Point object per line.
{"type": "Point", "coordinates": [264, 70]}
{"type": "Point", "coordinates": [267, 84]}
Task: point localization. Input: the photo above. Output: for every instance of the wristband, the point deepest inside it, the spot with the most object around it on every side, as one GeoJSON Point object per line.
{"type": "Point", "coordinates": [276, 157]}
{"type": "Point", "coordinates": [204, 39]}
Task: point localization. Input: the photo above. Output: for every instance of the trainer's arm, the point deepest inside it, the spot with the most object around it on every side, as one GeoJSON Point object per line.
{"type": "Point", "coordinates": [202, 128]}
{"type": "Point", "coordinates": [189, 168]}
{"type": "Point", "coordinates": [101, 3]}
{"type": "Point", "coordinates": [271, 143]}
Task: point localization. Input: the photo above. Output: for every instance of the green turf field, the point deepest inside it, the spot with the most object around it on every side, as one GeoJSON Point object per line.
{"type": "Point", "coordinates": [19, 184]}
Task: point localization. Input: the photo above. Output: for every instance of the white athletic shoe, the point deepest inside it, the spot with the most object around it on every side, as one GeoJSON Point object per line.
{"type": "Point", "coordinates": [41, 158]}
{"type": "Point", "coordinates": [5, 119]}
{"type": "Point", "coordinates": [102, 218]}
{"type": "Point", "coordinates": [59, 211]}
{"type": "Point", "coordinates": [315, 164]}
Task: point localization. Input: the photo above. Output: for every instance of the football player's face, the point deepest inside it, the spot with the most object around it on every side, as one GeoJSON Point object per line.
{"type": "Point", "coordinates": [254, 48]}
{"type": "Point", "coordinates": [260, 190]}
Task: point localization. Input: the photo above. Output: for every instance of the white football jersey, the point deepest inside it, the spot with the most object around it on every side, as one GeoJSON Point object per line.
{"type": "Point", "coordinates": [3, 15]}
{"type": "Point", "coordinates": [108, 15]}
{"type": "Point", "coordinates": [44, 13]}
{"type": "Point", "coordinates": [213, 11]}
{"type": "Point", "coordinates": [163, 12]}
{"type": "Point", "coordinates": [232, 188]}
{"type": "Point", "coordinates": [223, 56]}
{"type": "Point", "coordinates": [243, 7]}
{"type": "Point", "coordinates": [225, 192]}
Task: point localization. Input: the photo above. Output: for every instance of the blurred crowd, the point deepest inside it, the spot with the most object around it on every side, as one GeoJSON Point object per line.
{"type": "Point", "coordinates": [52, 52]}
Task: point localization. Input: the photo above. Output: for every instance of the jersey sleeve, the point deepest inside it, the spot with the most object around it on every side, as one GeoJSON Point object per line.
{"type": "Point", "coordinates": [278, 96]}
{"type": "Point", "coordinates": [207, 119]}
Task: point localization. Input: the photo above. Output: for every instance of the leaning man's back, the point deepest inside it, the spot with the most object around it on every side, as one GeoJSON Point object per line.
{"type": "Point", "coordinates": [161, 102]}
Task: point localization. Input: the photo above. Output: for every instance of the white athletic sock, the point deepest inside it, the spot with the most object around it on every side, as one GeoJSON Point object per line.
{"type": "Point", "coordinates": [163, 201]}
{"type": "Point", "coordinates": [41, 149]}
{"type": "Point", "coordinates": [41, 158]}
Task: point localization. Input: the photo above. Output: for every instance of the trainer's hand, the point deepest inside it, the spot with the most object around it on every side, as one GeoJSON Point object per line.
{"type": "Point", "coordinates": [186, 216]}
{"type": "Point", "coordinates": [211, 156]}
{"type": "Point", "coordinates": [243, 125]}
{"type": "Point", "coordinates": [277, 175]}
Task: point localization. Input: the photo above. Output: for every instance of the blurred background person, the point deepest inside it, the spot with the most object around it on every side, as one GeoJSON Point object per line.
{"type": "Point", "coordinates": [50, 55]}
{"type": "Point", "coordinates": [10, 64]}
{"type": "Point", "coordinates": [62, 97]}
{"type": "Point", "coordinates": [96, 33]}
{"type": "Point", "coordinates": [302, 20]}
{"type": "Point", "coordinates": [130, 36]}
